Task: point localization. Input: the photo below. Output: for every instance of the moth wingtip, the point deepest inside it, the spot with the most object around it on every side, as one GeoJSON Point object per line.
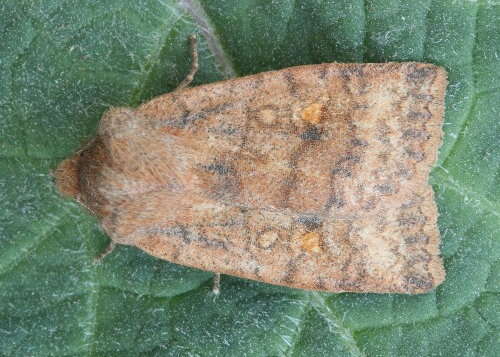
{"type": "Point", "coordinates": [442, 75]}
{"type": "Point", "coordinates": [66, 177]}
{"type": "Point", "coordinates": [423, 285]}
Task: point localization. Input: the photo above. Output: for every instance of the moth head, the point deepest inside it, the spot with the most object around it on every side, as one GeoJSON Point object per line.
{"type": "Point", "coordinates": [66, 175]}
{"type": "Point", "coordinates": [76, 176]}
{"type": "Point", "coordinates": [68, 172]}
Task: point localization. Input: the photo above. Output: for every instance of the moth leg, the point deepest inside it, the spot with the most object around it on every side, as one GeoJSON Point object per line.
{"type": "Point", "coordinates": [216, 284]}
{"type": "Point", "coordinates": [111, 246]}
{"type": "Point", "coordinates": [194, 63]}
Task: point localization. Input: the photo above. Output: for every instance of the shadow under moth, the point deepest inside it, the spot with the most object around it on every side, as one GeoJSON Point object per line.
{"type": "Point", "coordinates": [312, 177]}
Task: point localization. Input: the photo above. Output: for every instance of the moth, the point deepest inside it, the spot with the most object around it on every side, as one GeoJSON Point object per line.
{"type": "Point", "coordinates": [312, 177]}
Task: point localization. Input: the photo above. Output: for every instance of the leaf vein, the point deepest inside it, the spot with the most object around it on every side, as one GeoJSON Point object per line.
{"type": "Point", "coordinates": [26, 247]}
{"type": "Point", "coordinates": [335, 324]}
{"type": "Point", "coordinates": [298, 331]}
{"type": "Point", "coordinates": [481, 201]}
{"type": "Point", "coordinates": [465, 121]}
{"type": "Point", "coordinates": [149, 65]}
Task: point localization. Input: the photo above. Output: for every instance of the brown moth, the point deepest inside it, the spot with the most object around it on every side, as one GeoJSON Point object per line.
{"type": "Point", "coordinates": [312, 177]}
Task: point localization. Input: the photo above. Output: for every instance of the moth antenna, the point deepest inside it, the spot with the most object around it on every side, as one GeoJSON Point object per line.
{"type": "Point", "coordinates": [216, 284]}
{"type": "Point", "coordinates": [194, 63]}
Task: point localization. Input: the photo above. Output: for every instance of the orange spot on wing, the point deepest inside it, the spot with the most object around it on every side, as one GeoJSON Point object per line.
{"type": "Point", "coordinates": [312, 113]}
{"type": "Point", "coordinates": [311, 242]}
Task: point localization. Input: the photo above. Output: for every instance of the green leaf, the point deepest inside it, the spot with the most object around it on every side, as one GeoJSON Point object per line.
{"type": "Point", "coordinates": [63, 63]}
